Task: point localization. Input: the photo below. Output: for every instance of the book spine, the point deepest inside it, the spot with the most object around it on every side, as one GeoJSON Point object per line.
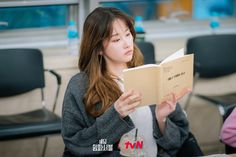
{"type": "Point", "coordinates": [159, 84]}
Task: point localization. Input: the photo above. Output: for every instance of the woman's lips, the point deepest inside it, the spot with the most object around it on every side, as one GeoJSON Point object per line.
{"type": "Point", "coordinates": [130, 52]}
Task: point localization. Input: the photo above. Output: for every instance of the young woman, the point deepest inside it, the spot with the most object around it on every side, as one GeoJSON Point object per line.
{"type": "Point", "coordinates": [96, 111]}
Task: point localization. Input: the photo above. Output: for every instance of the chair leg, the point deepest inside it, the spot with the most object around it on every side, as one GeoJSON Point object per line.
{"type": "Point", "coordinates": [45, 146]}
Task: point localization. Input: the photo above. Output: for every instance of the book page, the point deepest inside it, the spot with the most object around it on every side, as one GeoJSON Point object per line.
{"type": "Point", "coordinates": [141, 67]}
{"type": "Point", "coordinates": [177, 77]}
{"type": "Point", "coordinates": [143, 80]}
{"type": "Point", "coordinates": [177, 54]}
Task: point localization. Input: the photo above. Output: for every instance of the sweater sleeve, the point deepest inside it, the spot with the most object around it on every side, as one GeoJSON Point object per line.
{"type": "Point", "coordinates": [176, 131]}
{"type": "Point", "coordinates": [80, 134]}
{"type": "Point", "coordinates": [228, 131]}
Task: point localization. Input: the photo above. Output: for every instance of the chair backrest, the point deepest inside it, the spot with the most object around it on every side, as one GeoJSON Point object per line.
{"type": "Point", "coordinates": [214, 55]}
{"type": "Point", "coordinates": [148, 52]}
{"type": "Point", "coordinates": [21, 70]}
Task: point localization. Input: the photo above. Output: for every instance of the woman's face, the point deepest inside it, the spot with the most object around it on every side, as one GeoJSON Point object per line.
{"type": "Point", "coordinates": [119, 48]}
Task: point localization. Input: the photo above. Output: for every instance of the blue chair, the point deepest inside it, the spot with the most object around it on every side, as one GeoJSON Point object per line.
{"type": "Point", "coordinates": [148, 51]}
{"type": "Point", "coordinates": [22, 71]}
{"type": "Point", "coordinates": [214, 56]}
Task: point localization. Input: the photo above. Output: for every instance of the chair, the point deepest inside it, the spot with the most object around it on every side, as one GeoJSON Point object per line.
{"type": "Point", "coordinates": [148, 51]}
{"type": "Point", "coordinates": [214, 57]}
{"type": "Point", "coordinates": [22, 71]}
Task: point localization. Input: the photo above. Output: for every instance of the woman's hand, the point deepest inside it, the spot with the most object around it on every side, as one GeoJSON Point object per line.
{"type": "Point", "coordinates": [163, 110]}
{"type": "Point", "coordinates": [166, 108]}
{"type": "Point", "coordinates": [127, 103]}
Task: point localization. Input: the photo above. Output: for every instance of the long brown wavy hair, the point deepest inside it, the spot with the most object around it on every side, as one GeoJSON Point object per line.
{"type": "Point", "coordinates": [101, 86]}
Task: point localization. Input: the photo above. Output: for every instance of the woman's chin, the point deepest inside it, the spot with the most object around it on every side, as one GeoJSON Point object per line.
{"type": "Point", "coordinates": [128, 59]}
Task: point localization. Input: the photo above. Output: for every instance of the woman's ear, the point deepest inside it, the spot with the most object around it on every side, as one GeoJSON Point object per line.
{"type": "Point", "coordinates": [101, 53]}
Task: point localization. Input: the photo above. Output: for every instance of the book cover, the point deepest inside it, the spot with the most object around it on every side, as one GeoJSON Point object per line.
{"type": "Point", "coordinates": [157, 82]}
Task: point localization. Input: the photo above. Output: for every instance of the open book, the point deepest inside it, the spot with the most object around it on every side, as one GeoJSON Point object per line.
{"type": "Point", "coordinates": [158, 82]}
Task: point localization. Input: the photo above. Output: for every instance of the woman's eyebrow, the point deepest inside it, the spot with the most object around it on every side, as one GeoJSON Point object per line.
{"type": "Point", "coordinates": [116, 34]}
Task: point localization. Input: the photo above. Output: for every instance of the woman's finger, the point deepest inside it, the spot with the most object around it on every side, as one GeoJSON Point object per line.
{"type": "Point", "coordinates": [174, 100]}
{"type": "Point", "coordinates": [126, 109]}
{"type": "Point", "coordinates": [125, 95]}
{"type": "Point", "coordinates": [133, 98]}
{"type": "Point", "coordinates": [184, 92]}
{"type": "Point", "coordinates": [130, 108]}
{"type": "Point", "coordinates": [128, 102]}
{"type": "Point", "coordinates": [171, 104]}
{"type": "Point", "coordinates": [133, 105]}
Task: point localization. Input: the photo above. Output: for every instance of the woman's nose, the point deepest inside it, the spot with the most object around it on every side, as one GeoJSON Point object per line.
{"type": "Point", "coordinates": [126, 43]}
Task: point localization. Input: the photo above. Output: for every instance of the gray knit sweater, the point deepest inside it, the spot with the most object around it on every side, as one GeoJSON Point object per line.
{"type": "Point", "coordinates": [80, 131]}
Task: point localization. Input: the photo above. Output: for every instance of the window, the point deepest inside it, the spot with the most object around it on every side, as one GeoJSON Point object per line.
{"type": "Point", "coordinates": [169, 9]}
{"type": "Point", "coordinates": [36, 23]}
{"type": "Point", "coordinates": [33, 17]}
{"type": "Point", "coordinates": [145, 8]}
{"type": "Point", "coordinates": [205, 9]}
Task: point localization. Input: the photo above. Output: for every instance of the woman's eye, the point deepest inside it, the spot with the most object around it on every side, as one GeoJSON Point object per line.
{"type": "Point", "coordinates": [128, 34]}
{"type": "Point", "coordinates": [116, 40]}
